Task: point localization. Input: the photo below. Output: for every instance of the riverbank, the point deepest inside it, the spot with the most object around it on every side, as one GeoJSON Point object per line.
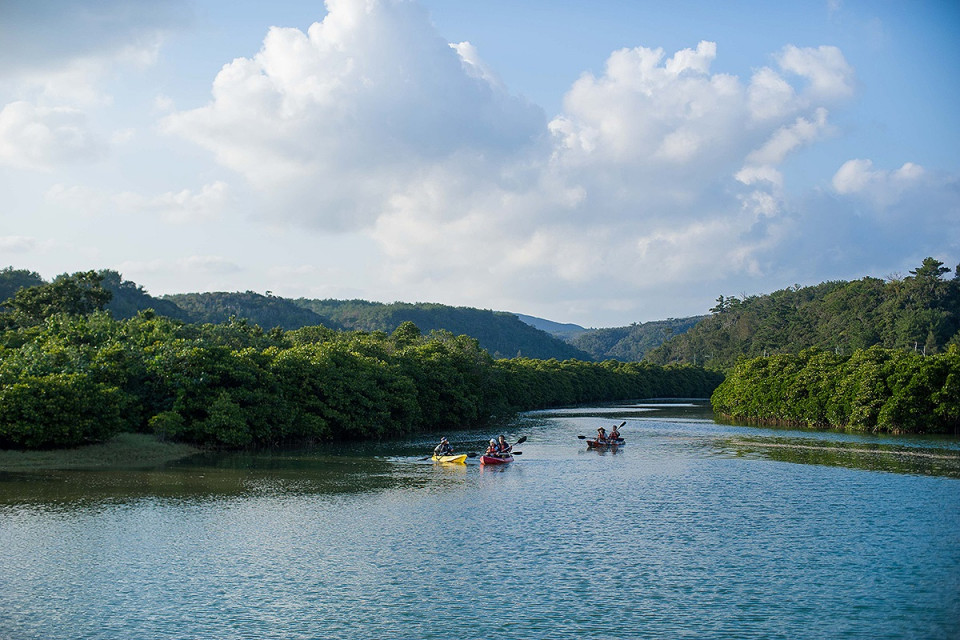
{"type": "Point", "coordinates": [124, 451]}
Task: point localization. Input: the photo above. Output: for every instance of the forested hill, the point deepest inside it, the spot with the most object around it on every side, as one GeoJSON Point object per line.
{"type": "Point", "coordinates": [500, 333]}
{"type": "Point", "coordinates": [12, 280]}
{"type": "Point", "coordinates": [128, 299]}
{"type": "Point", "coordinates": [267, 311]}
{"type": "Point", "coordinates": [630, 344]}
{"type": "Point", "coordinates": [920, 312]}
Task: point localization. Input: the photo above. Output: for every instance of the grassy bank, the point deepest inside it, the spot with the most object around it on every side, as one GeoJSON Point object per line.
{"type": "Point", "coordinates": [126, 450]}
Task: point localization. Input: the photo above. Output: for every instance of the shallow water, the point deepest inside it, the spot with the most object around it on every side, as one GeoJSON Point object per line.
{"type": "Point", "coordinates": [692, 530]}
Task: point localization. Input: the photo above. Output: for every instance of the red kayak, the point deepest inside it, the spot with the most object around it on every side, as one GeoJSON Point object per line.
{"type": "Point", "coordinates": [597, 444]}
{"type": "Point", "coordinates": [485, 459]}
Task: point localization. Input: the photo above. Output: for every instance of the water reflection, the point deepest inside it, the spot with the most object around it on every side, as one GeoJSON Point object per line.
{"type": "Point", "coordinates": [205, 476]}
{"type": "Point", "coordinates": [855, 455]}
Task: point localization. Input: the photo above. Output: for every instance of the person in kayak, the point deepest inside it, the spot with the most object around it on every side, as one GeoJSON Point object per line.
{"type": "Point", "coordinates": [601, 435]}
{"type": "Point", "coordinates": [503, 449]}
{"type": "Point", "coordinates": [444, 448]}
{"type": "Point", "coordinates": [615, 434]}
{"type": "Point", "coordinates": [492, 449]}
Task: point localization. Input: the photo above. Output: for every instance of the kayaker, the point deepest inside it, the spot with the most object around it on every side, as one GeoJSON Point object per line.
{"type": "Point", "coordinates": [601, 434]}
{"type": "Point", "coordinates": [614, 433]}
{"type": "Point", "coordinates": [492, 450]}
{"type": "Point", "coordinates": [444, 448]}
{"type": "Point", "coordinates": [502, 447]}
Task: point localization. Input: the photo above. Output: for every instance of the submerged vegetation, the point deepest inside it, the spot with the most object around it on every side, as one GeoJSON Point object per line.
{"type": "Point", "coordinates": [71, 374]}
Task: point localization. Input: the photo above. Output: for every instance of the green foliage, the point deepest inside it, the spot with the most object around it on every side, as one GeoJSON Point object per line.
{"type": "Point", "coordinates": [876, 390]}
{"type": "Point", "coordinates": [502, 334]}
{"type": "Point", "coordinates": [919, 313]}
{"type": "Point", "coordinates": [12, 280]}
{"type": "Point", "coordinates": [70, 379]}
{"type": "Point", "coordinates": [263, 310]}
{"type": "Point", "coordinates": [536, 384]}
{"type": "Point", "coordinates": [76, 294]}
{"type": "Point", "coordinates": [128, 299]}
{"type": "Point", "coordinates": [58, 410]}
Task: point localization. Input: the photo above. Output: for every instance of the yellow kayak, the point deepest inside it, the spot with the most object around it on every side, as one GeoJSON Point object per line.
{"type": "Point", "coordinates": [461, 459]}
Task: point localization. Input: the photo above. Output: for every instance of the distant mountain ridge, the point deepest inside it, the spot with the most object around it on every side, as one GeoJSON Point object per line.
{"type": "Point", "coordinates": [503, 334]}
{"type": "Point", "coordinates": [631, 344]}
{"type": "Point", "coordinates": [564, 331]}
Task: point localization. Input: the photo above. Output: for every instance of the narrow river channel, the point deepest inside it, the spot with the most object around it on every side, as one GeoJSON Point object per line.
{"type": "Point", "coordinates": [694, 529]}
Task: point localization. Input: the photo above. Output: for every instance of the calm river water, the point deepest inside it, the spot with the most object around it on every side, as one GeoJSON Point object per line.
{"type": "Point", "coordinates": [692, 530]}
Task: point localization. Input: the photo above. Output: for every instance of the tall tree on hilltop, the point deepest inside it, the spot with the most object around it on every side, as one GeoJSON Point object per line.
{"type": "Point", "coordinates": [77, 294]}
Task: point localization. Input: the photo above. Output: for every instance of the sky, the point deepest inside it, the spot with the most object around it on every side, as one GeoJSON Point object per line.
{"type": "Point", "coordinates": [599, 163]}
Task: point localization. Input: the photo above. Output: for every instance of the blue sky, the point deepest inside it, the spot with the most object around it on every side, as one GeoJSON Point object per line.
{"type": "Point", "coordinates": [600, 163]}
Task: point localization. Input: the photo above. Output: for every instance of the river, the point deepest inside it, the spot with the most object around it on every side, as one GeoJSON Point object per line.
{"type": "Point", "coordinates": [694, 529]}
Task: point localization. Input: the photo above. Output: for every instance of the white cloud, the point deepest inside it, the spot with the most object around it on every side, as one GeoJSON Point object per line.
{"type": "Point", "coordinates": [770, 95]}
{"type": "Point", "coordinates": [830, 76]}
{"type": "Point", "coordinates": [180, 207]}
{"type": "Point", "coordinates": [55, 57]}
{"type": "Point", "coordinates": [195, 266]}
{"type": "Point", "coordinates": [38, 138]}
{"type": "Point", "coordinates": [644, 110]}
{"type": "Point", "coordinates": [332, 122]}
{"type": "Point", "coordinates": [883, 188]}
{"type": "Point", "coordinates": [788, 138]}
{"type": "Point", "coordinates": [45, 36]}
{"type": "Point", "coordinates": [185, 206]}
{"type": "Point", "coordinates": [17, 244]}
{"type": "Point", "coordinates": [659, 175]}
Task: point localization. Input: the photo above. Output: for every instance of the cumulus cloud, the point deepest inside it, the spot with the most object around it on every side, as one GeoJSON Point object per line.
{"type": "Point", "coordinates": [883, 187]}
{"type": "Point", "coordinates": [333, 121]}
{"type": "Point", "coordinates": [659, 174]}
{"type": "Point", "coordinates": [663, 115]}
{"type": "Point", "coordinates": [829, 75]}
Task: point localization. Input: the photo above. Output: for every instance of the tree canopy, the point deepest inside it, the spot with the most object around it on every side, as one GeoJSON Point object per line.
{"type": "Point", "coordinates": [920, 312]}
{"type": "Point", "coordinates": [70, 373]}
